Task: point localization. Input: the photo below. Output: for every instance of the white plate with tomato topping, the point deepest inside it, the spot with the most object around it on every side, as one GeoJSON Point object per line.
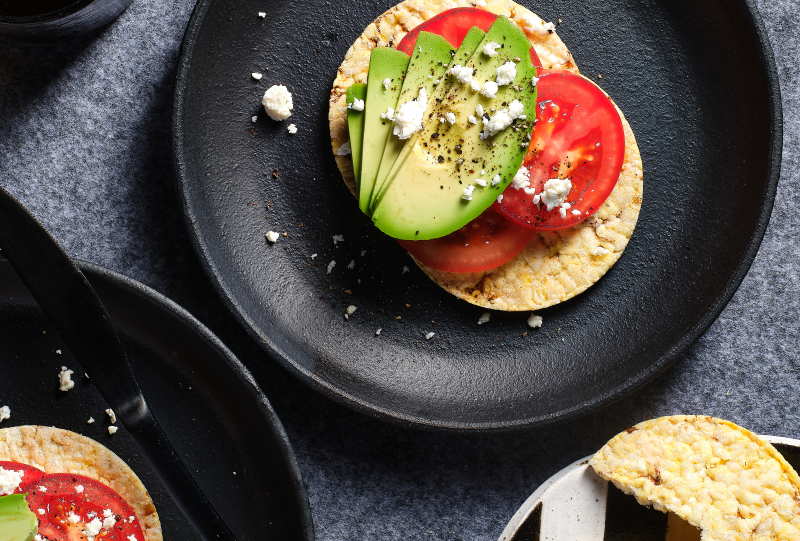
{"type": "Point", "coordinates": [341, 304]}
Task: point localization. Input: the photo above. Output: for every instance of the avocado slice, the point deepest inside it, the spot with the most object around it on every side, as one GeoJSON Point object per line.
{"type": "Point", "coordinates": [384, 63]}
{"type": "Point", "coordinates": [432, 54]}
{"type": "Point", "coordinates": [422, 198]}
{"type": "Point", "coordinates": [465, 51]}
{"type": "Point", "coordinates": [355, 126]}
{"type": "Point", "coordinates": [17, 521]}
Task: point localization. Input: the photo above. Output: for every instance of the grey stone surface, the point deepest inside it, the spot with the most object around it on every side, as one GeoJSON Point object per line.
{"type": "Point", "coordinates": [84, 144]}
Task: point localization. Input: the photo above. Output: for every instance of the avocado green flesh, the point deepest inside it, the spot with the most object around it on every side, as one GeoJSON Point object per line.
{"type": "Point", "coordinates": [17, 521]}
{"type": "Point", "coordinates": [383, 63]}
{"type": "Point", "coordinates": [422, 198]}
{"type": "Point", "coordinates": [355, 126]}
{"type": "Point", "coordinates": [432, 54]}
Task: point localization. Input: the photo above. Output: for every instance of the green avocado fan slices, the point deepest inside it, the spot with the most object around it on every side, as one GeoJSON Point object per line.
{"type": "Point", "coordinates": [17, 521]}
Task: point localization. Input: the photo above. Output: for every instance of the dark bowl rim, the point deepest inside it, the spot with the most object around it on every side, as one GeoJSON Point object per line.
{"type": "Point", "coordinates": [334, 392]}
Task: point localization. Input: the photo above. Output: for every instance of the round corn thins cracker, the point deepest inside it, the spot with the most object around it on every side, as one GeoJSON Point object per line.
{"type": "Point", "coordinates": [54, 450]}
{"type": "Point", "coordinates": [555, 265]}
{"type": "Point", "coordinates": [712, 473]}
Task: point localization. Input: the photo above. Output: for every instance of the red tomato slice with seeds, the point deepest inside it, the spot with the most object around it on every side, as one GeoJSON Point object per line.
{"type": "Point", "coordinates": [453, 26]}
{"type": "Point", "coordinates": [75, 508]}
{"type": "Point", "coordinates": [29, 473]}
{"type": "Point", "coordinates": [578, 135]}
{"type": "Point", "coordinates": [486, 242]}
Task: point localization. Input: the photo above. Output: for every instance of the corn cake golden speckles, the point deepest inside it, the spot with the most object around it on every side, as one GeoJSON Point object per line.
{"type": "Point", "coordinates": [53, 450]}
{"type": "Point", "coordinates": [712, 473]}
{"type": "Point", "coordinates": [555, 266]}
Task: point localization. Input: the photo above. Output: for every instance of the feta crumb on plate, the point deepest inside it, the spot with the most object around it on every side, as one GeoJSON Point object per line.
{"type": "Point", "coordinates": [65, 382]}
{"type": "Point", "coordinates": [112, 429]}
{"type": "Point", "coordinates": [352, 264]}
{"type": "Point", "coordinates": [262, 15]}
{"type": "Point", "coordinates": [292, 129]}
{"type": "Point", "coordinates": [277, 102]}
{"type": "Point", "coordinates": [430, 335]}
{"type": "Point", "coordinates": [313, 256]}
{"type": "Point", "coordinates": [534, 321]}
{"type": "Point", "coordinates": [272, 236]}
{"type": "Point", "coordinates": [330, 266]}
{"type": "Point", "coordinates": [5, 413]}
{"type": "Point", "coordinates": [405, 270]}
{"type": "Point", "coordinates": [255, 75]}
{"type": "Point", "coordinates": [254, 119]}
{"type": "Point", "coordinates": [90, 421]}
{"type": "Point", "coordinates": [378, 332]}
{"type": "Point", "coordinates": [484, 318]}
{"type": "Point", "coordinates": [349, 312]}
{"type": "Point", "coordinates": [338, 238]}
{"type": "Point", "coordinates": [111, 415]}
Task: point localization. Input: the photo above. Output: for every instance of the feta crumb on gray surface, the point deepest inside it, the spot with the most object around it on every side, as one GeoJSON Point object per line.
{"type": "Point", "coordinates": [357, 105]}
{"type": "Point", "coordinates": [506, 74]}
{"type": "Point", "coordinates": [388, 115]}
{"type": "Point", "coordinates": [405, 270]}
{"type": "Point", "coordinates": [467, 195]}
{"type": "Point", "coordinates": [90, 421]}
{"type": "Point", "coordinates": [535, 321]}
{"type": "Point", "coordinates": [112, 429]}
{"type": "Point", "coordinates": [344, 150]}
{"type": "Point", "coordinates": [262, 14]}
{"type": "Point", "coordinates": [111, 415]}
{"type": "Point", "coordinates": [254, 119]}
{"type": "Point", "coordinates": [330, 266]}
{"type": "Point", "coordinates": [313, 256]}
{"type": "Point", "coordinates": [600, 251]}
{"type": "Point", "coordinates": [349, 312]}
{"type": "Point", "coordinates": [363, 253]}
{"type": "Point", "coordinates": [292, 129]}
{"type": "Point", "coordinates": [78, 488]}
{"type": "Point", "coordinates": [386, 83]}
{"type": "Point", "coordinates": [255, 75]}
{"type": "Point", "coordinates": [490, 49]}
{"type": "Point", "coordinates": [352, 264]}
{"type": "Point", "coordinates": [338, 238]}
{"type": "Point", "coordinates": [10, 480]}
{"type": "Point", "coordinates": [378, 332]}
{"type": "Point", "coordinates": [484, 318]}
{"type": "Point", "coordinates": [65, 382]}
{"type": "Point", "coordinates": [58, 352]}
{"type": "Point", "coordinates": [430, 335]}
{"type": "Point", "coordinates": [5, 413]}
{"type": "Point", "coordinates": [272, 236]}
{"type": "Point", "coordinates": [277, 102]}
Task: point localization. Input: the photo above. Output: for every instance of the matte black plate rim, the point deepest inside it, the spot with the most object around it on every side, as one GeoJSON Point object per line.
{"type": "Point", "coordinates": [657, 367]}
{"type": "Point", "coordinates": [233, 363]}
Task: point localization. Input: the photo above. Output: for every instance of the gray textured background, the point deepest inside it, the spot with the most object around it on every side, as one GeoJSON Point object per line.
{"type": "Point", "coordinates": [84, 144]}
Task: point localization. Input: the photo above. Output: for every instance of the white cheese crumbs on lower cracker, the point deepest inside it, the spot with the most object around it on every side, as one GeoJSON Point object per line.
{"type": "Point", "coordinates": [272, 236]}
{"type": "Point", "coordinates": [484, 318]}
{"type": "Point", "coordinates": [65, 382]}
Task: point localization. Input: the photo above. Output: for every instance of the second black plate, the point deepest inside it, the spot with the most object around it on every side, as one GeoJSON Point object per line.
{"type": "Point", "coordinates": [698, 84]}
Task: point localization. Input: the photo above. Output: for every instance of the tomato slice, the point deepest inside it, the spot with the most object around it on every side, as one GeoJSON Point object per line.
{"type": "Point", "coordinates": [486, 242]}
{"type": "Point", "coordinates": [75, 507]}
{"type": "Point", "coordinates": [578, 135]}
{"type": "Point", "coordinates": [453, 26]}
{"type": "Point", "coordinates": [29, 473]}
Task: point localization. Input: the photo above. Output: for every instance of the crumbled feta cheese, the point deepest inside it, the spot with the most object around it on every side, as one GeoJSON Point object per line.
{"type": "Point", "coordinates": [515, 109]}
{"type": "Point", "coordinates": [256, 76]}
{"type": "Point", "coordinates": [313, 256]}
{"type": "Point", "coordinates": [344, 150]}
{"type": "Point", "coordinates": [451, 117]}
{"type": "Point", "coordinates": [502, 119]}
{"type": "Point", "coordinates": [111, 415]}
{"type": "Point", "coordinates": [405, 269]}
{"type": "Point", "coordinates": [292, 129]}
{"type": "Point", "coordinates": [78, 488]}
{"type": "Point", "coordinates": [484, 318]}
{"type": "Point", "coordinates": [254, 119]}
{"type": "Point", "coordinates": [442, 120]}
{"type": "Point", "coordinates": [506, 74]}
{"type": "Point", "coordinates": [479, 110]}
{"type": "Point", "coordinates": [489, 89]}
{"type": "Point", "coordinates": [93, 528]}
{"type": "Point", "coordinates": [73, 518]}
{"type": "Point", "coordinates": [112, 429]}
{"type": "Point", "coordinates": [479, 3]}
{"type": "Point", "coordinates": [41, 511]}
{"type": "Point", "coordinates": [272, 236]}
{"type": "Point", "coordinates": [496, 180]}
{"type": "Point", "coordinates": [555, 192]}
{"type": "Point", "coordinates": [386, 83]}
{"type": "Point", "coordinates": [363, 253]}
{"type": "Point", "coordinates": [262, 14]}
{"type": "Point", "coordinates": [42, 488]}
{"type": "Point", "coordinates": [349, 311]}
{"type": "Point", "coordinates": [472, 119]}
{"type": "Point", "coordinates": [10, 480]}
{"type": "Point", "coordinates": [600, 251]}
{"type": "Point", "coordinates": [535, 81]}
{"type": "Point", "coordinates": [480, 182]}
{"type": "Point", "coordinates": [338, 238]}
{"type": "Point", "coordinates": [576, 212]}
{"type": "Point", "coordinates": [408, 118]}
{"type": "Point", "coordinates": [330, 266]}
{"type": "Point", "coordinates": [38, 538]}
{"type": "Point", "coordinates": [537, 26]}
{"type": "Point", "coordinates": [522, 179]}
{"type": "Point", "coordinates": [65, 382]}
{"type": "Point", "coordinates": [5, 413]}
{"type": "Point", "coordinates": [467, 195]}
{"type": "Point", "coordinates": [534, 321]}
{"type": "Point", "coordinates": [90, 421]}
{"type": "Point", "coordinates": [277, 102]}
{"type": "Point", "coordinates": [430, 335]}
{"type": "Point", "coordinates": [563, 212]}
{"type": "Point", "coordinates": [109, 522]}
{"type": "Point", "coordinates": [352, 264]}
{"type": "Point", "coordinates": [490, 49]}
{"type": "Point", "coordinates": [474, 85]}
{"type": "Point", "coordinates": [378, 332]}
{"type": "Point", "coordinates": [437, 81]}
{"type": "Point", "coordinates": [357, 105]}
{"type": "Point", "coordinates": [500, 198]}
{"type": "Point", "coordinates": [388, 115]}
{"type": "Point", "coordinates": [462, 73]}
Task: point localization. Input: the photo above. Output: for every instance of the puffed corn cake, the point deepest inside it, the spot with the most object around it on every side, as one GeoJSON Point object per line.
{"type": "Point", "coordinates": [555, 265]}
{"type": "Point", "coordinates": [712, 473]}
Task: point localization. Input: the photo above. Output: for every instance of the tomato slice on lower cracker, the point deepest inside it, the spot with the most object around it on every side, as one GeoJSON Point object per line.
{"type": "Point", "coordinates": [486, 242]}
{"type": "Point", "coordinates": [78, 508]}
{"type": "Point", "coordinates": [29, 473]}
{"type": "Point", "coordinates": [578, 136]}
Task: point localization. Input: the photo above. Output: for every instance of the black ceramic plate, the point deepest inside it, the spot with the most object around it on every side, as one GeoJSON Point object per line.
{"type": "Point", "coordinates": [207, 402]}
{"type": "Point", "coordinates": [698, 84]}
